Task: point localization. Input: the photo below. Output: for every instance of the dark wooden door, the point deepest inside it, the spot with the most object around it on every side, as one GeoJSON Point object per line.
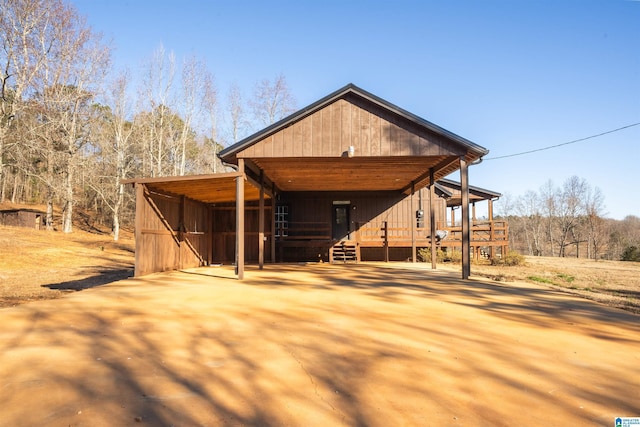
{"type": "Point", "coordinates": [341, 221]}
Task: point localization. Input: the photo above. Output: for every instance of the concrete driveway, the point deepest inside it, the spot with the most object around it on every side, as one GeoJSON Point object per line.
{"type": "Point", "coordinates": [318, 345]}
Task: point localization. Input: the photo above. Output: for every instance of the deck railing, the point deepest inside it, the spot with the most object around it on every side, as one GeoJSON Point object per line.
{"type": "Point", "coordinates": [482, 232]}
{"type": "Point", "coordinates": [303, 231]}
{"type": "Point", "coordinates": [384, 234]}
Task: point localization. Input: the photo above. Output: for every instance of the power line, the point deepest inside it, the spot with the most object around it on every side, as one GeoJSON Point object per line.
{"type": "Point", "coordinates": [564, 143]}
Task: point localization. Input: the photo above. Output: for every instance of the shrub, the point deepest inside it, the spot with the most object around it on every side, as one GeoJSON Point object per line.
{"type": "Point", "coordinates": [631, 253]}
{"type": "Point", "coordinates": [512, 258]}
{"type": "Point", "coordinates": [424, 254]}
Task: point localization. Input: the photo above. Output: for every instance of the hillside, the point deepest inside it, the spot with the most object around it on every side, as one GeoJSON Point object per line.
{"type": "Point", "coordinates": [37, 264]}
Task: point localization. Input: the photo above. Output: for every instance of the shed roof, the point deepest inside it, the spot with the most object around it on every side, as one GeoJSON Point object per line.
{"type": "Point", "coordinates": [210, 188]}
{"type": "Point", "coordinates": [453, 188]}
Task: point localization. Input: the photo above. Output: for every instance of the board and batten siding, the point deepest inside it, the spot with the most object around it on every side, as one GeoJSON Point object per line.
{"type": "Point", "coordinates": [369, 209]}
{"type": "Point", "coordinates": [173, 233]}
{"type": "Point", "coordinates": [224, 234]}
{"type": "Point", "coordinates": [330, 131]}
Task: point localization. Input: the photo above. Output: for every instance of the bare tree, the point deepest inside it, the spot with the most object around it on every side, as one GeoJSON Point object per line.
{"type": "Point", "coordinates": [569, 212]}
{"type": "Point", "coordinates": [593, 203]}
{"type": "Point", "coordinates": [25, 36]}
{"type": "Point", "coordinates": [117, 149]}
{"type": "Point", "coordinates": [272, 100]}
{"type": "Point", "coordinates": [193, 87]}
{"type": "Point", "coordinates": [210, 107]}
{"type": "Point", "coordinates": [549, 200]}
{"type": "Point", "coordinates": [71, 77]}
{"type": "Point", "coordinates": [529, 210]}
{"type": "Point", "coordinates": [237, 115]}
{"type": "Point", "coordinates": [52, 65]}
{"type": "Point", "coordinates": [156, 97]}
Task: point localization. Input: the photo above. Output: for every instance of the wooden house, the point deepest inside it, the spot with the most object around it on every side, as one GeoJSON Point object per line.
{"type": "Point", "coordinates": [350, 177]}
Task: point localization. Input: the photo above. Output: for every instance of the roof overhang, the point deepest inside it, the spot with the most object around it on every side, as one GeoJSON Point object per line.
{"type": "Point", "coordinates": [454, 189]}
{"type": "Point", "coordinates": [210, 188]}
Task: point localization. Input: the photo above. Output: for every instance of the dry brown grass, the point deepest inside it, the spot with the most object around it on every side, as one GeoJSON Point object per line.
{"type": "Point", "coordinates": [614, 283]}
{"type": "Point", "coordinates": [37, 264]}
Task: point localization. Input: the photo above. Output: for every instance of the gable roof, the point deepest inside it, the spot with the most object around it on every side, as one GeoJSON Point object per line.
{"type": "Point", "coordinates": [350, 89]}
{"type": "Point", "coordinates": [351, 140]}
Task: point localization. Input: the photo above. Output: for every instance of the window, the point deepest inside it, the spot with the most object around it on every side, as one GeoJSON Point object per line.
{"type": "Point", "coordinates": [282, 221]}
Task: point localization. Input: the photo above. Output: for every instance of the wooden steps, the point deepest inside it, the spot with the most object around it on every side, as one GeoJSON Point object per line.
{"type": "Point", "coordinates": [344, 251]}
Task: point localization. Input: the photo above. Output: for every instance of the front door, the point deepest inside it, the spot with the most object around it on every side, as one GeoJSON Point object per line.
{"type": "Point", "coordinates": [341, 221]}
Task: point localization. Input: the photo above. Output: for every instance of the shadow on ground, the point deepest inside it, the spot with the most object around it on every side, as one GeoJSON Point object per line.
{"type": "Point", "coordinates": [317, 345]}
{"type": "Point", "coordinates": [103, 277]}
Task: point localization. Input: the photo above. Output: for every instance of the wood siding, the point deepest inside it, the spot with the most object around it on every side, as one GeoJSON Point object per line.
{"type": "Point", "coordinates": [349, 122]}
{"type": "Point", "coordinates": [369, 211]}
{"type": "Point", "coordinates": [174, 233]}
{"type": "Point", "coordinates": [224, 234]}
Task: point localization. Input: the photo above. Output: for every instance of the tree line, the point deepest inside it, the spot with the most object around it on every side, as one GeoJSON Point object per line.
{"type": "Point", "coordinates": [569, 220]}
{"type": "Point", "coordinates": [72, 127]}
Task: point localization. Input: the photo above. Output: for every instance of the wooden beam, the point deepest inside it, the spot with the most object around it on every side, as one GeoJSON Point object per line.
{"type": "Point", "coordinates": [466, 241]}
{"type": "Point", "coordinates": [261, 224]}
{"type": "Point", "coordinates": [256, 176]}
{"type": "Point", "coordinates": [419, 182]}
{"type": "Point", "coordinates": [240, 221]}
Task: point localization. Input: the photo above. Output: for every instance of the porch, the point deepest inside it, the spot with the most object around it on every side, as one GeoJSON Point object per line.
{"type": "Point", "coordinates": [488, 239]}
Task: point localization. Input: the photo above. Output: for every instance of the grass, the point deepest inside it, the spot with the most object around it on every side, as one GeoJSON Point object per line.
{"type": "Point", "coordinates": [38, 264]}
{"type": "Point", "coordinates": [541, 280]}
{"type": "Point", "coordinates": [615, 283]}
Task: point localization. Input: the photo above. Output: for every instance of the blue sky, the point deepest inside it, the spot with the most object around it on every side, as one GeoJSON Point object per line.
{"type": "Point", "coordinates": [512, 76]}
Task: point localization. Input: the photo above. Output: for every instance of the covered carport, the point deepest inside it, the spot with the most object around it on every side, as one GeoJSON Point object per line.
{"type": "Point", "coordinates": [174, 224]}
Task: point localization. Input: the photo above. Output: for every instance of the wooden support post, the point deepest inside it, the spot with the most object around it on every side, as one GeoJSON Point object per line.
{"type": "Point", "coordinates": [432, 217]}
{"type": "Point", "coordinates": [181, 231]}
{"type": "Point", "coordinates": [385, 230]}
{"type": "Point", "coordinates": [473, 212]}
{"type": "Point", "coordinates": [492, 250]}
{"type": "Point", "coordinates": [240, 221]}
{"type": "Point", "coordinates": [140, 202]}
{"type": "Point", "coordinates": [261, 223]}
{"type": "Point", "coordinates": [209, 235]}
{"type": "Point", "coordinates": [466, 242]}
{"type": "Point", "coordinates": [413, 218]}
{"type": "Point", "coordinates": [273, 223]}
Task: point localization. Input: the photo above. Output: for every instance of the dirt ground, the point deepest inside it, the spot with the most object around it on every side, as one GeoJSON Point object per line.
{"type": "Point", "coordinates": [318, 345]}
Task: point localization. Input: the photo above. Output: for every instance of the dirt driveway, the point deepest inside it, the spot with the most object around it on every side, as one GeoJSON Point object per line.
{"type": "Point", "coordinates": [318, 345]}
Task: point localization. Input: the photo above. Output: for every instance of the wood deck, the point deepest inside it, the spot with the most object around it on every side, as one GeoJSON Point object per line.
{"type": "Point", "coordinates": [488, 238]}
